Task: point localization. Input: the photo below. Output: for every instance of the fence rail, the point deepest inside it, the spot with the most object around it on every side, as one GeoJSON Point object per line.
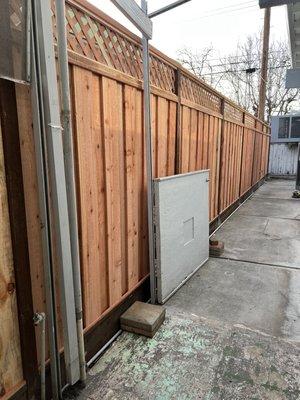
{"type": "Point", "coordinates": [193, 127]}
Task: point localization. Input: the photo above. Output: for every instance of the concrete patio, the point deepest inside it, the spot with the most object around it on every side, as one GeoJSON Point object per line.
{"type": "Point", "coordinates": [233, 331]}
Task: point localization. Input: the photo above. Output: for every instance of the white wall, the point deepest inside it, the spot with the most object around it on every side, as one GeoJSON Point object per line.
{"type": "Point", "coordinates": [283, 159]}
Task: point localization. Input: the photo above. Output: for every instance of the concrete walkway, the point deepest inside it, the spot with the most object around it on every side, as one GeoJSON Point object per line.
{"type": "Point", "coordinates": [233, 331]}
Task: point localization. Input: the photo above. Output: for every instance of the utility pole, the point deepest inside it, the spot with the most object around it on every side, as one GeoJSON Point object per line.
{"type": "Point", "coordinates": [264, 65]}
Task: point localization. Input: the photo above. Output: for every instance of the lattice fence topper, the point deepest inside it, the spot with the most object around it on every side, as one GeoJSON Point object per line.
{"type": "Point", "coordinates": [91, 38]}
{"type": "Point", "coordinates": [249, 121]}
{"type": "Point", "coordinates": [16, 14]}
{"type": "Point", "coordinates": [233, 113]}
{"type": "Point", "coordinates": [195, 92]}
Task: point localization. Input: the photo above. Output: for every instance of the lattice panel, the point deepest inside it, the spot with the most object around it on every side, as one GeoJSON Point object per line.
{"type": "Point", "coordinates": [91, 38]}
{"type": "Point", "coordinates": [250, 121]}
{"type": "Point", "coordinates": [199, 94]}
{"type": "Point", "coordinates": [233, 113]}
{"type": "Point", "coordinates": [16, 16]}
{"type": "Point", "coordinates": [266, 129]}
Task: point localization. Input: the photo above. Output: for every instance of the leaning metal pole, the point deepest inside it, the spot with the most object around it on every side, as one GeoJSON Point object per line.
{"type": "Point", "coordinates": [55, 166]}
{"type": "Point", "coordinates": [70, 174]}
{"type": "Point", "coordinates": [147, 134]}
{"type": "Point", "coordinates": [43, 190]}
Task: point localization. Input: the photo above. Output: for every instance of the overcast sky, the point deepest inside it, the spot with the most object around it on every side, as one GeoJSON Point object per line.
{"type": "Point", "coordinates": [202, 23]}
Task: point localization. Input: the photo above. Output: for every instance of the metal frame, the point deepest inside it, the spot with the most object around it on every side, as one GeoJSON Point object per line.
{"type": "Point", "coordinates": [136, 15]}
{"type": "Point", "coordinates": [147, 125]}
{"type": "Point", "coordinates": [62, 51]}
{"type": "Point", "coordinates": [53, 143]}
{"type": "Point", "coordinates": [44, 206]}
{"type": "Point", "coordinates": [167, 8]}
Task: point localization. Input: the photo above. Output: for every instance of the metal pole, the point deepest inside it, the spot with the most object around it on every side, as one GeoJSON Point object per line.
{"type": "Point", "coordinates": [39, 318]}
{"type": "Point", "coordinates": [43, 189]}
{"type": "Point", "coordinates": [147, 134]}
{"type": "Point", "coordinates": [70, 174]}
{"type": "Point", "coordinates": [264, 65]}
{"type": "Point", "coordinates": [167, 8]}
{"type": "Point", "coordinates": [55, 164]}
{"type": "Point", "coordinates": [298, 170]}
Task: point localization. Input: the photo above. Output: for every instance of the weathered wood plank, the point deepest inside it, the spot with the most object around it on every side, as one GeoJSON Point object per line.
{"type": "Point", "coordinates": [134, 181]}
{"type": "Point", "coordinates": [193, 141]}
{"type": "Point", "coordinates": [10, 356]}
{"type": "Point", "coordinates": [91, 192]}
{"type": "Point", "coordinates": [20, 283]}
{"type": "Point", "coordinates": [113, 137]}
{"type": "Point", "coordinates": [199, 155]}
{"type": "Point", "coordinates": [205, 142]}
{"type": "Point", "coordinates": [172, 115]}
{"type": "Point", "coordinates": [185, 139]}
{"type": "Point", "coordinates": [154, 135]}
{"type": "Point", "coordinates": [162, 137]}
{"type": "Point", "coordinates": [31, 197]}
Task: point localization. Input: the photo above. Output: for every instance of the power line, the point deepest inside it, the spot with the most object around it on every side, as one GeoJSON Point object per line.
{"type": "Point", "coordinates": [240, 70]}
{"type": "Point", "coordinates": [237, 57]}
{"type": "Point", "coordinates": [241, 56]}
{"type": "Point", "coordinates": [237, 63]}
{"type": "Point", "coordinates": [233, 6]}
{"type": "Point", "coordinates": [253, 7]}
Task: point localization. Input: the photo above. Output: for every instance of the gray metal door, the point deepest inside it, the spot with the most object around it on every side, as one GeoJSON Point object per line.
{"type": "Point", "coordinates": [181, 229]}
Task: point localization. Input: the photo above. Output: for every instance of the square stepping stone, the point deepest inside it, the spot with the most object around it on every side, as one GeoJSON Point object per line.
{"type": "Point", "coordinates": [143, 319]}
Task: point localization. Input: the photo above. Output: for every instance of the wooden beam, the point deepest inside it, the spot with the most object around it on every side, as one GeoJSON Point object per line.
{"type": "Point", "coordinates": [17, 215]}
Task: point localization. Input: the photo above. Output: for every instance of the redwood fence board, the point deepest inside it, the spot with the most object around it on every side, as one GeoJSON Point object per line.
{"type": "Point", "coordinates": [193, 127]}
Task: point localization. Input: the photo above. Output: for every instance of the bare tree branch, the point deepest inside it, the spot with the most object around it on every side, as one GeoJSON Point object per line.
{"type": "Point", "coordinates": [237, 75]}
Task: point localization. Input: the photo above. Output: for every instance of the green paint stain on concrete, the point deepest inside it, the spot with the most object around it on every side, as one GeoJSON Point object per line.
{"type": "Point", "coordinates": [292, 394]}
{"type": "Point", "coordinates": [187, 360]}
{"type": "Point", "coordinates": [270, 386]}
{"type": "Point", "coordinates": [152, 344]}
{"type": "Point", "coordinates": [215, 389]}
{"type": "Point", "coordinates": [238, 377]}
{"type": "Point", "coordinates": [231, 351]}
{"type": "Point", "coordinates": [257, 369]}
{"type": "Point", "coordinates": [166, 334]}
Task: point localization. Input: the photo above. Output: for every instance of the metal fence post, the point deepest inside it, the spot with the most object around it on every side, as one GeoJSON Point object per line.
{"type": "Point", "coordinates": [52, 131]}
{"type": "Point", "coordinates": [147, 127]}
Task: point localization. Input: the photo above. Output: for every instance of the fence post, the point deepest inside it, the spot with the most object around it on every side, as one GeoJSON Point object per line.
{"type": "Point", "coordinates": [241, 164]}
{"type": "Point", "coordinates": [221, 156]}
{"type": "Point", "coordinates": [254, 153]}
{"type": "Point", "coordinates": [178, 121]}
{"type": "Point", "coordinates": [268, 149]}
{"type": "Point", "coordinates": [261, 172]}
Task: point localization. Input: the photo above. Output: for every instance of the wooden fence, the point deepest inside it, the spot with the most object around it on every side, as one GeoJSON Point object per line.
{"type": "Point", "coordinates": [193, 127]}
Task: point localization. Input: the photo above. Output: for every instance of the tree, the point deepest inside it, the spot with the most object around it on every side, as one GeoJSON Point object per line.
{"type": "Point", "coordinates": [237, 75]}
{"type": "Point", "coordinates": [198, 63]}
